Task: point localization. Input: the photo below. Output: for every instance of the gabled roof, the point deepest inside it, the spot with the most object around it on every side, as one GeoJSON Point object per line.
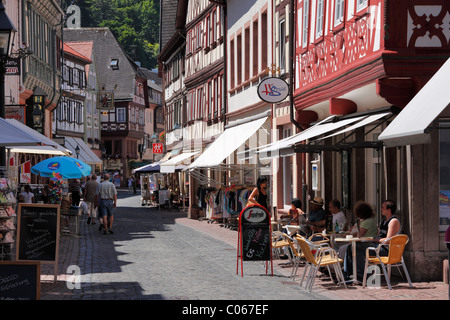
{"type": "Point", "coordinates": [72, 52]}
{"type": "Point", "coordinates": [106, 48]}
{"type": "Point", "coordinates": [83, 47]}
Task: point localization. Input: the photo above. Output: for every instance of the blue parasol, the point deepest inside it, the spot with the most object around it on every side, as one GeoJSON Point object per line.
{"type": "Point", "coordinates": [67, 167]}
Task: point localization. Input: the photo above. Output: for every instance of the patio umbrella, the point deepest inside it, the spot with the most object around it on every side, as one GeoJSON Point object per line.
{"type": "Point", "coordinates": [66, 167]}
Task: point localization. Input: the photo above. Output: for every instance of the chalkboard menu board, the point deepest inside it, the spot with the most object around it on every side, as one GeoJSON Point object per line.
{"type": "Point", "coordinates": [255, 233]}
{"type": "Point", "coordinates": [20, 280]}
{"type": "Point", "coordinates": [38, 232]}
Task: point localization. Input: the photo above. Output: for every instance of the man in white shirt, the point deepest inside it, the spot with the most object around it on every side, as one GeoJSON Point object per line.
{"type": "Point", "coordinates": [338, 216]}
{"type": "Point", "coordinates": [106, 199]}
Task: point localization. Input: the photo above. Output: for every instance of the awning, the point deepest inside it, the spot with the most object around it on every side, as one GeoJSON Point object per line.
{"type": "Point", "coordinates": [362, 123]}
{"type": "Point", "coordinates": [227, 143]}
{"type": "Point", "coordinates": [323, 127]}
{"type": "Point", "coordinates": [41, 144]}
{"type": "Point", "coordinates": [315, 134]}
{"type": "Point", "coordinates": [86, 154]}
{"type": "Point", "coordinates": [169, 165]}
{"type": "Point", "coordinates": [152, 167]}
{"type": "Point", "coordinates": [14, 136]}
{"type": "Point", "coordinates": [415, 121]}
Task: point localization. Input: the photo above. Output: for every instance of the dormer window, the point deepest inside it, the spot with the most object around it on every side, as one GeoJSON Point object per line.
{"type": "Point", "coordinates": [114, 65]}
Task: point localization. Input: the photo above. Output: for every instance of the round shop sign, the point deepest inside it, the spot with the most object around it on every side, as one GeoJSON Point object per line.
{"type": "Point", "coordinates": [53, 165]}
{"type": "Point", "coordinates": [273, 90]}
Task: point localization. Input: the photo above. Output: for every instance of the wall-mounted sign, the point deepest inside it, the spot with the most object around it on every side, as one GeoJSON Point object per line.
{"type": "Point", "coordinates": [105, 100]}
{"type": "Point", "coordinates": [158, 147]}
{"type": "Point", "coordinates": [12, 66]}
{"type": "Point", "coordinates": [273, 90]}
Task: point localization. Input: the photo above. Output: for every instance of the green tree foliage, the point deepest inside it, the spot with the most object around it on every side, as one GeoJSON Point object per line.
{"type": "Point", "coordinates": [134, 23]}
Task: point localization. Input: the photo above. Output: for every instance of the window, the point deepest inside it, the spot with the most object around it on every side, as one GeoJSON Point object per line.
{"type": "Point", "coordinates": [208, 31]}
{"type": "Point", "coordinates": [232, 71]}
{"type": "Point", "coordinates": [282, 46]}
{"type": "Point", "coordinates": [114, 64]}
{"type": "Point", "coordinates": [264, 59]}
{"type": "Point", "coordinates": [209, 100]}
{"type": "Point", "coordinates": [338, 12]}
{"type": "Point", "coordinates": [212, 36]}
{"type": "Point", "coordinates": [76, 75]}
{"type": "Point", "coordinates": [255, 47]}
{"type": "Point", "coordinates": [200, 103]}
{"type": "Point", "coordinates": [247, 53]}
{"type": "Point", "coordinates": [239, 58]}
{"type": "Point", "coordinates": [361, 4]}
{"type": "Point", "coordinates": [306, 23]}
{"type": "Point", "coordinates": [319, 19]}
{"type": "Point", "coordinates": [121, 115]}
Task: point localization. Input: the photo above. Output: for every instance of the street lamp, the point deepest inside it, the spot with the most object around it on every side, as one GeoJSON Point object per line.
{"type": "Point", "coordinates": [77, 151]}
{"type": "Point", "coordinates": [37, 118]}
{"type": "Point", "coordinates": [7, 31]}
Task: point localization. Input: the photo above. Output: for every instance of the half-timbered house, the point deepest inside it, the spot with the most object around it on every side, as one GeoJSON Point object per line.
{"type": "Point", "coordinates": [358, 63]}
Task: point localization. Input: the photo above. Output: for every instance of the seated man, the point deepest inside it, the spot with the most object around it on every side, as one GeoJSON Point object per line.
{"type": "Point", "coordinates": [317, 216]}
{"type": "Point", "coordinates": [316, 219]}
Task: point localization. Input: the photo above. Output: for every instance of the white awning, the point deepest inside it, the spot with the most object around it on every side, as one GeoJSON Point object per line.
{"type": "Point", "coordinates": [169, 165]}
{"type": "Point", "coordinates": [412, 124]}
{"type": "Point", "coordinates": [227, 143]}
{"type": "Point", "coordinates": [362, 123]}
{"type": "Point", "coordinates": [44, 145]}
{"type": "Point", "coordinates": [318, 129]}
{"type": "Point", "coordinates": [86, 154]}
{"type": "Point", "coordinates": [148, 167]}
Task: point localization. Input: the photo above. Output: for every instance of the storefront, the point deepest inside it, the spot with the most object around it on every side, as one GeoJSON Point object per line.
{"type": "Point", "coordinates": [222, 177]}
{"type": "Point", "coordinates": [423, 136]}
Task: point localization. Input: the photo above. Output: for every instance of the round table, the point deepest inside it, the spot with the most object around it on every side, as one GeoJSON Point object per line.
{"type": "Point", "coordinates": [354, 240]}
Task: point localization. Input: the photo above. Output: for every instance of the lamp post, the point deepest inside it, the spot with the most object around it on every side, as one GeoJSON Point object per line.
{"type": "Point", "coordinates": [77, 151]}
{"type": "Point", "coordinates": [7, 31]}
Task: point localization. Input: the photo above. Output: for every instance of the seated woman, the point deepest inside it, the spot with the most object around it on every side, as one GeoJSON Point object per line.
{"type": "Point", "coordinates": [295, 212]}
{"type": "Point", "coordinates": [389, 227]}
{"type": "Point", "coordinates": [367, 228]}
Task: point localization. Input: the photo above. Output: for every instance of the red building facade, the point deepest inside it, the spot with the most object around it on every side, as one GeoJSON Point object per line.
{"type": "Point", "coordinates": [355, 57]}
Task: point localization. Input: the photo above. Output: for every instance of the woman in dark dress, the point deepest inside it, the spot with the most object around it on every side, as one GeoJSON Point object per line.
{"type": "Point", "coordinates": [259, 194]}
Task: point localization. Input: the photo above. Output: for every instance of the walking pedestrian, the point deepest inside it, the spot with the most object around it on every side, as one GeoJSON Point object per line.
{"type": "Point", "coordinates": [75, 188]}
{"type": "Point", "coordinates": [130, 185]}
{"type": "Point", "coordinates": [106, 199]}
{"type": "Point", "coordinates": [89, 197]}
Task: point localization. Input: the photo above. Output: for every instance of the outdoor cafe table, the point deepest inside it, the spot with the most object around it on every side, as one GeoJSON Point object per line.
{"type": "Point", "coordinates": [354, 240]}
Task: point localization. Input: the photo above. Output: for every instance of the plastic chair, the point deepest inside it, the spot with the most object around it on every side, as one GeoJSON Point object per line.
{"type": "Point", "coordinates": [278, 242]}
{"type": "Point", "coordinates": [324, 257]}
{"type": "Point", "coordinates": [394, 258]}
{"type": "Point", "coordinates": [325, 239]}
{"type": "Point", "coordinates": [296, 256]}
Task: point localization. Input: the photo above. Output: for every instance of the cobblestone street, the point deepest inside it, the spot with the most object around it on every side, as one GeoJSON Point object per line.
{"type": "Point", "coordinates": [161, 255]}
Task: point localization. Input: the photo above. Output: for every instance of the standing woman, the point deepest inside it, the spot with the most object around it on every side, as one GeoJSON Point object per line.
{"type": "Point", "coordinates": [259, 194]}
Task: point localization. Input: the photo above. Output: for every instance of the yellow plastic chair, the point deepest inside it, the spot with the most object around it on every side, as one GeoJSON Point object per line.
{"type": "Point", "coordinates": [296, 256]}
{"type": "Point", "coordinates": [396, 246]}
{"type": "Point", "coordinates": [324, 257]}
{"type": "Point", "coordinates": [278, 242]}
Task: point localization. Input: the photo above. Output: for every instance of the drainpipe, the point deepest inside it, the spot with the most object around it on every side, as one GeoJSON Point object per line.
{"type": "Point", "coordinates": [304, 191]}
{"type": "Point", "coordinates": [292, 64]}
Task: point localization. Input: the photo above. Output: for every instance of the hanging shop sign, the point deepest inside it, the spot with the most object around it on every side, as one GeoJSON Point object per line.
{"type": "Point", "coordinates": [158, 147]}
{"type": "Point", "coordinates": [12, 66]}
{"type": "Point", "coordinates": [273, 90]}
